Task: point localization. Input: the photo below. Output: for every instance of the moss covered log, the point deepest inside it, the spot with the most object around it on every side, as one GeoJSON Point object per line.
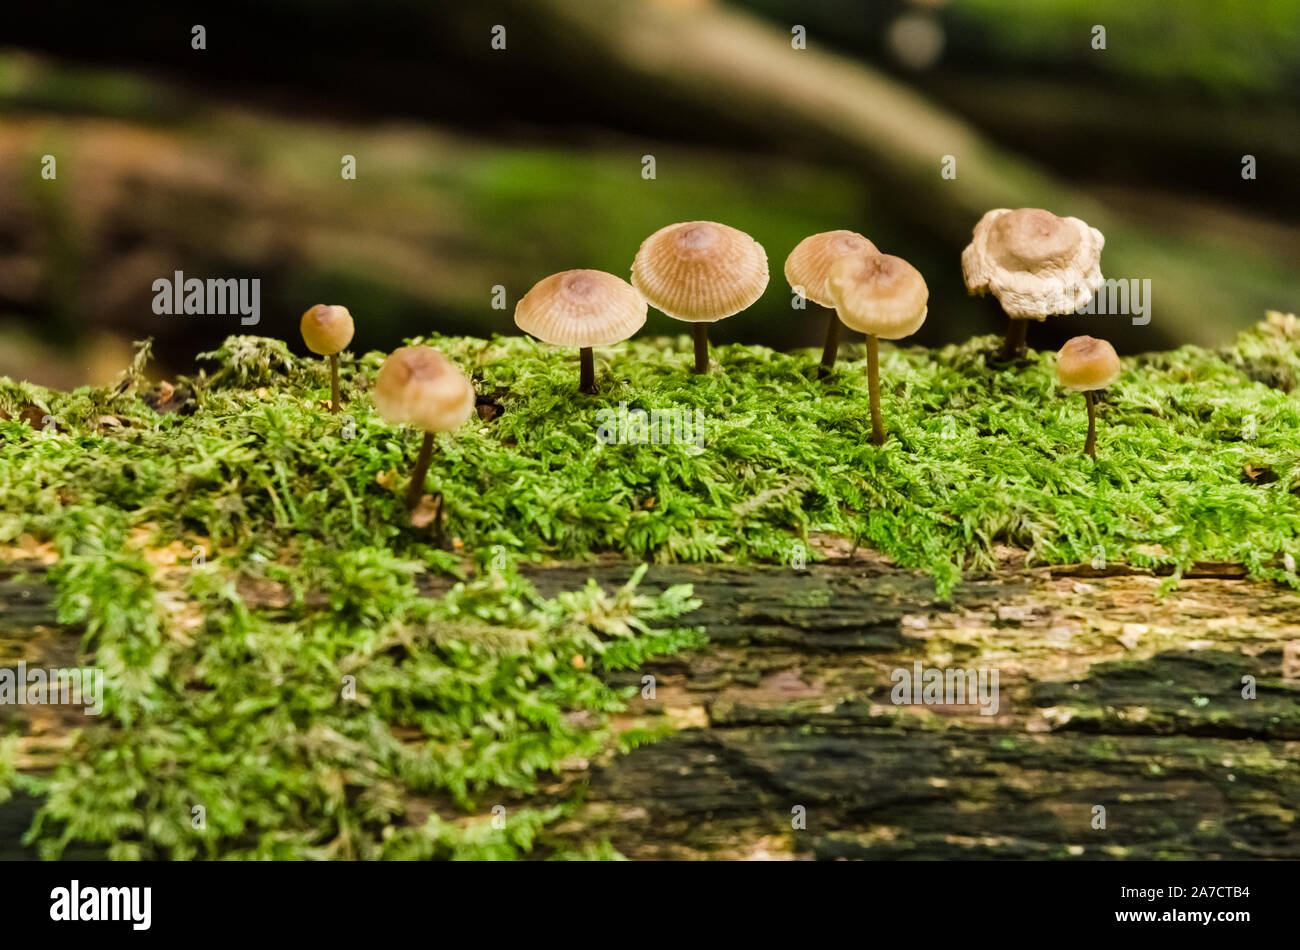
{"type": "Point", "coordinates": [288, 650]}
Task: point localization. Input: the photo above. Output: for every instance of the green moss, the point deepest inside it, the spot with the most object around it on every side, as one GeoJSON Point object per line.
{"type": "Point", "coordinates": [243, 708]}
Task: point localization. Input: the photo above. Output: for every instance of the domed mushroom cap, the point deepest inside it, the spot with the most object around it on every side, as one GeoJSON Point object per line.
{"type": "Point", "coordinates": [1086, 363]}
{"type": "Point", "coordinates": [581, 308]}
{"type": "Point", "coordinates": [809, 264]}
{"type": "Point", "coordinates": [420, 386]}
{"type": "Point", "coordinates": [1035, 263]}
{"type": "Point", "coordinates": [700, 271]}
{"type": "Point", "coordinates": [878, 294]}
{"type": "Point", "coordinates": [326, 330]}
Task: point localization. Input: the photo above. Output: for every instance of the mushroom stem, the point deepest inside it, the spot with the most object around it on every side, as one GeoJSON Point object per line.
{"type": "Point", "coordinates": [416, 490]}
{"type": "Point", "coordinates": [701, 348]}
{"type": "Point", "coordinates": [334, 382]}
{"type": "Point", "coordinates": [587, 375]}
{"type": "Point", "coordinates": [832, 347]}
{"type": "Point", "coordinates": [1090, 446]}
{"type": "Point", "coordinates": [1016, 344]}
{"type": "Point", "coordinates": [873, 389]}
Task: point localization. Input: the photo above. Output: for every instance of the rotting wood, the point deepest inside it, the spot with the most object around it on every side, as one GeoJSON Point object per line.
{"type": "Point", "coordinates": [1110, 695]}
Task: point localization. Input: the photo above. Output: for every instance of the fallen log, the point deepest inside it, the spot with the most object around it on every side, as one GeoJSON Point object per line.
{"type": "Point", "coordinates": [1128, 723]}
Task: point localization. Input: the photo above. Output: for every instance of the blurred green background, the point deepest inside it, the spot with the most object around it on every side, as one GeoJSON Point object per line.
{"type": "Point", "coordinates": [480, 167]}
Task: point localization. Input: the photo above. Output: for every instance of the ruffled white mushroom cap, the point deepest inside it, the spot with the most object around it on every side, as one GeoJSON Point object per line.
{"type": "Point", "coordinates": [1035, 263]}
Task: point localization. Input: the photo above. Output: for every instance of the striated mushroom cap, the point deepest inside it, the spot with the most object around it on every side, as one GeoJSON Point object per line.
{"type": "Point", "coordinates": [1085, 363]}
{"type": "Point", "coordinates": [419, 386]}
{"type": "Point", "coordinates": [325, 329]}
{"type": "Point", "coordinates": [809, 264]}
{"type": "Point", "coordinates": [700, 271]}
{"type": "Point", "coordinates": [878, 294]}
{"type": "Point", "coordinates": [1035, 263]}
{"type": "Point", "coordinates": [581, 308]}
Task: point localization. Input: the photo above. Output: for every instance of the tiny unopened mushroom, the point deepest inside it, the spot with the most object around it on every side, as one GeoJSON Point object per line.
{"type": "Point", "coordinates": [582, 308]}
{"type": "Point", "coordinates": [884, 297]}
{"type": "Point", "coordinates": [1035, 263]}
{"type": "Point", "coordinates": [419, 386]}
{"type": "Point", "coordinates": [1086, 364]}
{"type": "Point", "coordinates": [700, 272]}
{"type": "Point", "coordinates": [327, 330]}
{"type": "Point", "coordinates": [807, 268]}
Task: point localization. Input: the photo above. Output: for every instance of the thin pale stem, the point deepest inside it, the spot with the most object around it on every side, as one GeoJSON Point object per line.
{"type": "Point", "coordinates": [416, 490]}
{"type": "Point", "coordinates": [873, 388]}
{"type": "Point", "coordinates": [832, 347]}
{"type": "Point", "coordinates": [701, 348]}
{"type": "Point", "coordinates": [587, 374]}
{"type": "Point", "coordinates": [334, 382]}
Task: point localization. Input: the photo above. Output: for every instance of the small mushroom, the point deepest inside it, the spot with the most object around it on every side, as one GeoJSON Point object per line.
{"type": "Point", "coordinates": [807, 268]}
{"type": "Point", "coordinates": [419, 386]}
{"type": "Point", "coordinates": [700, 272]}
{"type": "Point", "coordinates": [1086, 364]}
{"type": "Point", "coordinates": [582, 308]}
{"type": "Point", "coordinates": [1035, 263]}
{"type": "Point", "coordinates": [327, 330]}
{"type": "Point", "coordinates": [884, 297]}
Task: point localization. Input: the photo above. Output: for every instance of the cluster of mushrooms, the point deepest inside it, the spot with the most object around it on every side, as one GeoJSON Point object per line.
{"type": "Point", "coordinates": [1035, 263]}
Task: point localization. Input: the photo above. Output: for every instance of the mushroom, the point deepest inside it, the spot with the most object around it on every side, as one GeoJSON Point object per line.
{"type": "Point", "coordinates": [700, 272]}
{"type": "Point", "coordinates": [419, 386]}
{"type": "Point", "coordinates": [884, 297]}
{"type": "Point", "coordinates": [582, 308]}
{"type": "Point", "coordinates": [807, 268]}
{"type": "Point", "coordinates": [1086, 364]}
{"type": "Point", "coordinates": [1035, 263]}
{"type": "Point", "coordinates": [327, 330]}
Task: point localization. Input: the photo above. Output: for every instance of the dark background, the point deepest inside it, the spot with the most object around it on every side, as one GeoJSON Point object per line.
{"type": "Point", "coordinates": [480, 167]}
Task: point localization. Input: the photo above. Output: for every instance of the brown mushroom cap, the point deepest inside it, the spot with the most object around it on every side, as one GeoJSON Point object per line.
{"type": "Point", "coordinates": [809, 264]}
{"type": "Point", "coordinates": [700, 271]}
{"type": "Point", "coordinates": [878, 294]}
{"type": "Point", "coordinates": [325, 329]}
{"type": "Point", "coordinates": [1034, 262]}
{"type": "Point", "coordinates": [1086, 363]}
{"type": "Point", "coordinates": [581, 308]}
{"type": "Point", "coordinates": [419, 386]}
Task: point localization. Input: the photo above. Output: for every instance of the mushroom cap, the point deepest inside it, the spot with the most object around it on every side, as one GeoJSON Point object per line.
{"type": "Point", "coordinates": [581, 308]}
{"type": "Point", "coordinates": [878, 294]}
{"type": "Point", "coordinates": [809, 264]}
{"type": "Point", "coordinates": [420, 386]}
{"type": "Point", "coordinates": [1086, 363]}
{"type": "Point", "coordinates": [700, 271]}
{"type": "Point", "coordinates": [326, 329]}
{"type": "Point", "coordinates": [1034, 262]}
